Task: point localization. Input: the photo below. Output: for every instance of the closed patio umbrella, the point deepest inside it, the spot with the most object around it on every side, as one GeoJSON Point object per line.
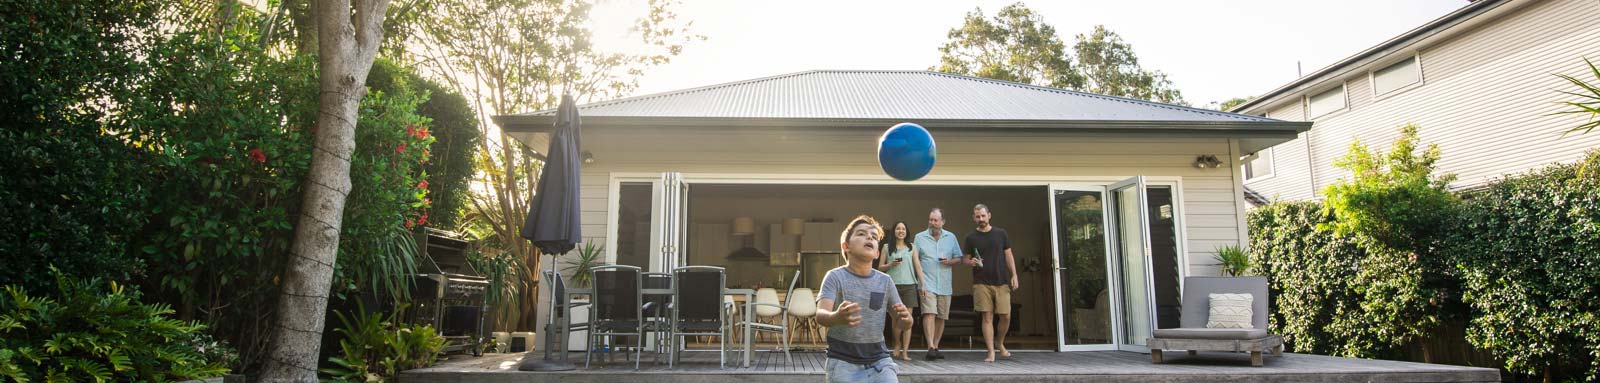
{"type": "Point", "coordinates": [552, 222]}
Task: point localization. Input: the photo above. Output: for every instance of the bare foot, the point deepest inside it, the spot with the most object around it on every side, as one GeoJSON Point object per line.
{"type": "Point", "coordinates": [989, 359]}
{"type": "Point", "coordinates": [1004, 353]}
{"type": "Point", "coordinates": [905, 355]}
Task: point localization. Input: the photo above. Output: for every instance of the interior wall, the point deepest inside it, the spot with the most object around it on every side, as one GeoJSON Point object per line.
{"type": "Point", "coordinates": [1022, 211]}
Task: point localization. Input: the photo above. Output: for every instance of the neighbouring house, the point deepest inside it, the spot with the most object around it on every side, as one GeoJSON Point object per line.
{"type": "Point", "coordinates": [1480, 82]}
{"type": "Point", "coordinates": [1109, 201]}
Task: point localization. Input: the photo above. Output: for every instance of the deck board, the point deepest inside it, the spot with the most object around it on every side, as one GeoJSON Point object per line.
{"type": "Point", "coordinates": [968, 367]}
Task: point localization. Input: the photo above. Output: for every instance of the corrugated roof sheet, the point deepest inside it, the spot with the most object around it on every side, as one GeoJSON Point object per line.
{"type": "Point", "coordinates": [911, 95]}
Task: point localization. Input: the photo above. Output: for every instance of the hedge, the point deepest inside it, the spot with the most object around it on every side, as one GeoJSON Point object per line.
{"type": "Point", "coordinates": [1523, 254]}
{"type": "Point", "coordinates": [1528, 252]}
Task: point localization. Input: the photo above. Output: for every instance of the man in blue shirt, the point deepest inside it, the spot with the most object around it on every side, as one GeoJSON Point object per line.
{"type": "Point", "coordinates": [938, 251]}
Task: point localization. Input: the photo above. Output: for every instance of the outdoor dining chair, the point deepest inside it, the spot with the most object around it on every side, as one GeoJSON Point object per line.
{"type": "Point", "coordinates": [618, 309]}
{"type": "Point", "coordinates": [782, 313]}
{"type": "Point", "coordinates": [561, 307]}
{"type": "Point", "coordinates": [698, 310]}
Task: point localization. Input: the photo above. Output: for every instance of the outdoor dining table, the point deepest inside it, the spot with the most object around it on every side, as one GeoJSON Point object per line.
{"type": "Point", "coordinates": [749, 305]}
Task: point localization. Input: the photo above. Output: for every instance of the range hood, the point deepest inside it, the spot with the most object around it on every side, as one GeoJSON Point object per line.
{"type": "Point", "coordinates": [748, 253]}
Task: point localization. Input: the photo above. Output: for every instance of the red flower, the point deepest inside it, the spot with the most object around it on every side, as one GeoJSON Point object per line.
{"type": "Point", "coordinates": [426, 153]}
{"type": "Point", "coordinates": [423, 220]}
{"type": "Point", "coordinates": [257, 156]}
{"type": "Point", "coordinates": [411, 130]}
{"type": "Point", "coordinates": [401, 148]}
{"type": "Point", "coordinates": [410, 223]}
{"type": "Point", "coordinates": [422, 133]}
{"type": "Point", "coordinates": [427, 201]}
{"type": "Point", "coordinates": [423, 184]}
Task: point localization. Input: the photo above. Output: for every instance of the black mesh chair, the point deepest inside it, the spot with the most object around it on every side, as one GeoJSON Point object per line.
{"type": "Point", "coordinates": [618, 307]}
{"type": "Point", "coordinates": [557, 331]}
{"type": "Point", "coordinates": [698, 308]}
{"type": "Point", "coordinates": [658, 310]}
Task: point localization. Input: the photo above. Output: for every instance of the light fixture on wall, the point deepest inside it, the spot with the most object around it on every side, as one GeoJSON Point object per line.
{"type": "Point", "coordinates": [588, 158]}
{"type": "Point", "coordinates": [1207, 161]}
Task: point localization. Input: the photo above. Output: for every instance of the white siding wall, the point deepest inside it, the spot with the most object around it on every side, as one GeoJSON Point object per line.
{"type": "Point", "coordinates": [1291, 176]}
{"type": "Point", "coordinates": [1486, 98]}
{"type": "Point", "coordinates": [1209, 196]}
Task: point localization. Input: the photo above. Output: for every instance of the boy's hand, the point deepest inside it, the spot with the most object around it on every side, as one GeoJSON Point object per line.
{"type": "Point", "coordinates": [851, 312]}
{"type": "Point", "coordinates": [903, 313]}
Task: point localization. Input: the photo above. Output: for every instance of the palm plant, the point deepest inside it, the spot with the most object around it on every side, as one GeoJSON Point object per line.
{"type": "Point", "coordinates": [1588, 100]}
{"type": "Point", "coordinates": [589, 255]}
{"type": "Point", "coordinates": [1234, 260]}
{"type": "Point", "coordinates": [1588, 103]}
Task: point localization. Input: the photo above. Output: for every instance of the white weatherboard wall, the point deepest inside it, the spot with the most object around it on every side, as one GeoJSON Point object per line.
{"type": "Point", "coordinates": [1210, 197]}
{"type": "Point", "coordinates": [1487, 98]}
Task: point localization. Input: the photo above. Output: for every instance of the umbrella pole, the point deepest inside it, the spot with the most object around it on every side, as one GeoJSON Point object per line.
{"type": "Point", "coordinates": [529, 363]}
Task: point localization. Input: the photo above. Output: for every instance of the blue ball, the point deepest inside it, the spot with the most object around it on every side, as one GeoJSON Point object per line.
{"type": "Point", "coordinates": [906, 151]}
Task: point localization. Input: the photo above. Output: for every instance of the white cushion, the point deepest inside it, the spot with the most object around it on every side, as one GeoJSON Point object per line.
{"type": "Point", "coordinates": [1230, 311]}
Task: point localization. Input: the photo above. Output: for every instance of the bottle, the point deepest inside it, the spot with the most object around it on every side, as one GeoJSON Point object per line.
{"type": "Point", "coordinates": [979, 258]}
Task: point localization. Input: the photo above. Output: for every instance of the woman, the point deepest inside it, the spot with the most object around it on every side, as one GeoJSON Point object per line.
{"type": "Point", "coordinates": [897, 260]}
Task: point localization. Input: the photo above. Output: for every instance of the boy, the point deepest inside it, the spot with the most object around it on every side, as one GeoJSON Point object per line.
{"type": "Point", "coordinates": [856, 352]}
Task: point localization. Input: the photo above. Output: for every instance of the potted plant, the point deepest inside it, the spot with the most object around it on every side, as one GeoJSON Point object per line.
{"type": "Point", "coordinates": [588, 256]}
{"type": "Point", "coordinates": [1234, 261]}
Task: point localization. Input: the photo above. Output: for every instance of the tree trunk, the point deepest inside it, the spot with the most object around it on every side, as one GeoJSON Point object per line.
{"type": "Point", "coordinates": [348, 40]}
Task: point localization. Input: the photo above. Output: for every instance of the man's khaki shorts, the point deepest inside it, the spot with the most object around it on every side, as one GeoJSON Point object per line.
{"type": "Point", "coordinates": [938, 305]}
{"type": "Point", "coordinates": [991, 298]}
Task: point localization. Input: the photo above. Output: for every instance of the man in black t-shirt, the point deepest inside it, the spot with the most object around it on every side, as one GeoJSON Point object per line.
{"type": "Point", "coordinates": [994, 275]}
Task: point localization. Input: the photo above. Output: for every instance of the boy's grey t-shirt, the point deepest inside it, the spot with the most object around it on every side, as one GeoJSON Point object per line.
{"type": "Point", "coordinates": [877, 296]}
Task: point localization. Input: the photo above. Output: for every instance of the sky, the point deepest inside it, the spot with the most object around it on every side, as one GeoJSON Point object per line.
{"type": "Point", "coordinates": [1210, 50]}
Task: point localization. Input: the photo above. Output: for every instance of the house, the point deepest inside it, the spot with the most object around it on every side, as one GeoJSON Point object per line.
{"type": "Point", "coordinates": [760, 176]}
{"type": "Point", "coordinates": [1480, 82]}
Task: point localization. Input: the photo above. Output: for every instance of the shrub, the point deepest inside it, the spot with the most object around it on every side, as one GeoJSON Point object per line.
{"type": "Point", "coordinates": [454, 125]}
{"type": "Point", "coordinates": [1529, 258]}
{"type": "Point", "coordinates": [1393, 206]}
{"type": "Point", "coordinates": [69, 195]}
{"type": "Point", "coordinates": [1394, 198]}
{"type": "Point", "coordinates": [1234, 261]}
{"type": "Point", "coordinates": [83, 332]}
{"type": "Point", "coordinates": [1316, 305]}
{"type": "Point", "coordinates": [376, 348]}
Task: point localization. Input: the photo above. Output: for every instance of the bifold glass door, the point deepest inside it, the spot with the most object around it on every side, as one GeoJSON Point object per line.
{"type": "Point", "coordinates": [1131, 244]}
{"type": "Point", "coordinates": [671, 220]}
{"type": "Point", "coordinates": [1083, 286]}
{"type": "Point", "coordinates": [1116, 263]}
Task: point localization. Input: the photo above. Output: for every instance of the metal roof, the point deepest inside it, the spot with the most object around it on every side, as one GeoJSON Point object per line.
{"type": "Point", "coordinates": [893, 94]}
{"type": "Point", "coordinates": [880, 98]}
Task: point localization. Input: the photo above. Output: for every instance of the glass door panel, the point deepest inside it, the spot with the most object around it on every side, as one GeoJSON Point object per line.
{"type": "Point", "coordinates": [1082, 280]}
{"type": "Point", "coordinates": [1131, 245]}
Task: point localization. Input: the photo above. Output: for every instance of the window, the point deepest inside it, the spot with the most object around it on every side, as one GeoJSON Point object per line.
{"type": "Point", "coordinates": [1325, 102]}
{"type": "Point", "coordinates": [1258, 165]}
{"type": "Point", "coordinates": [1396, 76]}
